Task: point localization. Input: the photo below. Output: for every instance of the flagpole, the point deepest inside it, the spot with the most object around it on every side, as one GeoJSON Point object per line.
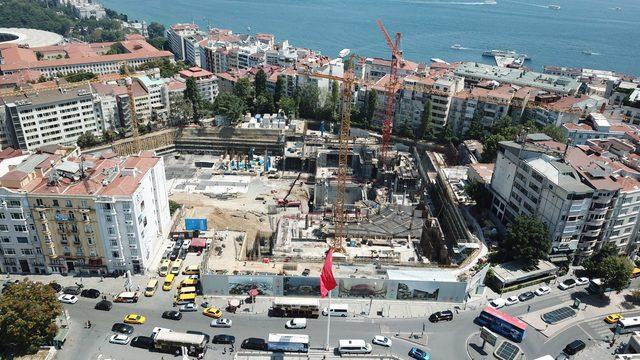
{"type": "Point", "coordinates": [326, 345]}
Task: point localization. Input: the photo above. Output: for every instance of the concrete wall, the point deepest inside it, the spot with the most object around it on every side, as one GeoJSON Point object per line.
{"type": "Point", "coordinates": [298, 286]}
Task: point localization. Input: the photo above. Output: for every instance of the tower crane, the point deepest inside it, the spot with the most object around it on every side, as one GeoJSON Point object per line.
{"type": "Point", "coordinates": [391, 88]}
{"type": "Point", "coordinates": [347, 80]}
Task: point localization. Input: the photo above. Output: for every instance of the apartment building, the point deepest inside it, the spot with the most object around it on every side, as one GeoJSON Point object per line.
{"type": "Point", "coordinates": [60, 60]}
{"type": "Point", "coordinates": [206, 82]}
{"type": "Point", "coordinates": [95, 215]}
{"type": "Point", "coordinates": [48, 117]}
{"type": "Point", "coordinates": [584, 195]}
{"type": "Point", "coordinates": [176, 35]}
{"type": "Point", "coordinates": [596, 126]}
{"type": "Point", "coordinates": [557, 110]}
{"type": "Point", "coordinates": [106, 107]}
{"type": "Point", "coordinates": [488, 105]}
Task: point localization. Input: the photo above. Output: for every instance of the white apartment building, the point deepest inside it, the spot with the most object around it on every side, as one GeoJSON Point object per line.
{"type": "Point", "coordinates": [488, 105]}
{"type": "Point", "coordinates": [192, 49]}
{"type": "Point", "coordinates": [206, 82]}
{"type": "Point", "coordinates": [49, 117]}
{"type": "Point", "coordinates": [154, 104]}
{"type": "Point", "coordinates": [176, 35]}
{"type": "Point", "coordinates": [106, 109]}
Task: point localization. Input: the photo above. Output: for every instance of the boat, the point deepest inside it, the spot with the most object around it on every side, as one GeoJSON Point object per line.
{"type": "Point", "coordinates": [589, 52]}
{"type": "Point", "coordinates": [457, 46]}
{"type": "Point", "coordinates": [490, 2]}
{"type": "Point", "coordinates": [554, 7]}
{"type": "Point", "coordinates": [618, 8]}
{"type": "Point", "coordinates": [504, 53]}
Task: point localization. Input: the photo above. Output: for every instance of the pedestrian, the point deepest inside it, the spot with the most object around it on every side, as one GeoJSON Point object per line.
{"type": "Point", "coordinates": [138, 288]}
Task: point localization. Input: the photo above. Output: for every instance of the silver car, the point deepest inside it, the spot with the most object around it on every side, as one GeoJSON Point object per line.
{"type": "Point", "coordinates": [119, 339]}
{"type": "Point", "coordinates": [188, 307]}
{"type": "Point", "coordinates": [221, 323]}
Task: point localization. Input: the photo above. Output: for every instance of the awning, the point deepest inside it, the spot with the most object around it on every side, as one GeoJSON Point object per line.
{"type": "Point", "coordinates": [198, 242]}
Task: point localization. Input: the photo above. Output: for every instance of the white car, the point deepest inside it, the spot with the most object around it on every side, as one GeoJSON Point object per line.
{"type": "Point", "coordinates": [511, 300]}
{"type": "Point", "coordinates": [567, 284]}
{"type": "Point", "coordinates": [381, 340]}
{"type": "Point", "coordinates": [68, 299]}
{"type": "Point", "coordinates": [497, 303]}
{"type": "Point", "coordinates": [186, 244]}
{"type": "Point", "coordinates": [296, 323]}
{"type": "Point", "coordinates": [582, 281]}
{"type": "Point", "coordinates": [188, 307]}
{"type": "Point", "coordinates": [119, 339]}
{"type": "Point", "coordinates": [542, 290]}
{"type": "Point", "coordinates": [222, 323]}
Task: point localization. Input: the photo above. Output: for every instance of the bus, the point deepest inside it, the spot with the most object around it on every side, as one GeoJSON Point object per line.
{"type": "Point", "coordinates": [300, 308]}
{"type": "Point", "coordinates": [502, 323]}
{"type": "Point", "coordinates": [169, 340]}
{"type": "Point", "coordinates": [628, 325]}
{"type": "Point", "coordinates": [164, 267]}
{"type": "Point", "coordinates": [288, 343]}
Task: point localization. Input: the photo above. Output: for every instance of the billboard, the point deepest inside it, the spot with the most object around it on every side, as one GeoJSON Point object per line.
{"type": "Point", "coordinates": [301, 286]}
{"type": "Point", "coordinates": [362, 288]}
{"type": "Point", "coordinates": [195, 224]}
{"type": "Point", "coordinates": [241, 284]}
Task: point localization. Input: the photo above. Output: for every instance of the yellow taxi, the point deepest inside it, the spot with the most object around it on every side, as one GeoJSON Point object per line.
{"type": "Point", "coordinates": [213, 312]}
{"type": "Point", "coordinates": [134, 319]}
{"type": "Point", "coordinates": [613, 318]}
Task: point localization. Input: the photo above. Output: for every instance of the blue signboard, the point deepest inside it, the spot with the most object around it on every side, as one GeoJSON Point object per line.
{"type": "Point", "coordinates": [195, 224]}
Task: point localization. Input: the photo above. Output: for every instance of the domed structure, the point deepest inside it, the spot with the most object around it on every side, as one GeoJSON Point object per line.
{"type": "Point", "coordinates": [29, 37]}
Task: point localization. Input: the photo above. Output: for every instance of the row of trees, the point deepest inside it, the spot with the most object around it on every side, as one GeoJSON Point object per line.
{"type": "Point", "coordinates": [613, 269]}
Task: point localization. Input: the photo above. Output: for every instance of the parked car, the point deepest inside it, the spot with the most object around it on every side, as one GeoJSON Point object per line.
{"type": "Point", "coordinates": [188, 307]}
{"type": "Point", "coordinates": [68, 299]}
{"type": "Point", "coordinates": [90, 293]}
{"type": "Point", "coordinates": [497, 303]}
{"type": "Point", "coordinates": [185, 245]}
{"type": "Point", "coordinates": [419, 354]}
{"type": "Point", "coordinates": [574, 347]}
{"type": "Point", "coordinates": [172, 315]}
{"type": "Point", "coordinates": [527, 295]}
{"type": "Point", "coordinates": [174, 254]}
{"type": "Point", "coordinates": [613, 318]}
{"type": "Point", "coordinates": [222, 323]}
{"type": "Point", "coordinates": [567, 284]}
{"type": "Point", "coordinates": [381, 340]}
{"type": "Point", "coordinates": [72, 290]}
{"type": "Point", "coordinates": [122, 328]}
{"type": "Point", "coordinates": [296, 323]}
{"type": "Point", "coordinates": [135, 319]}
{"type": "Point", "coordinates": [223, 339]}
{"type": "Point", "coordinates": [143, 342]}
{"type": "Point", "coordinates": [104, 305]}
{"type": "Point", "coordinates": [253, 344]}
{"type": "Point", "coordinates": [446, 315]}
{"type": "Point", "coordinates": [511, 300]}
{"type": "Point", "coordinates": [542, 290]}
{"type": "Point", "coordinates": [582, 281]}
{"type": "Point", "coordinates": [55, 286]}
{"type": "Point", "coordinates": [119, 339]}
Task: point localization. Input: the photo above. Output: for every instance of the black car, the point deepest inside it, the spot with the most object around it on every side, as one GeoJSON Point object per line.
{"type": "Point", "coordinates": [253, 344]}
{"type": "Point", "coordinates": [122, 328]}
{"type": "Point", "coordinates": [526, 296]}
{"type": "Point", "coordinates": [174, 254]}
{"type": "Point", "coordinates": [143, 342]}
{"type": "Point", "coordinates": [206, 336]}
{"type": "Point", "coordinates": [72, 290]}
{"type": "Point", "coordinates": [172, 315]}
{"type": "Point", "coordinates": [55, 286]}
{"type": "Point", "coordinates": [90, 293]}
{"type": "Point", "coordinates": [306, 272]}
{"type": "Point", "coordinates": [104, 305]}
{"type": "Point", "coordinates": [223, 339]}
{"type": "Point", "coordinates": [446, 315]}
{"type": "Point", "coordinates": [574, 347]}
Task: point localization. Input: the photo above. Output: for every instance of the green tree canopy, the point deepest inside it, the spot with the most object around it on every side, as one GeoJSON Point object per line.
{"type": "Point", "coordinates": [27, 317]}
{"type": "Point", "coordinates": [117, 48]}
{"type": "Point", "coordinates": [476, 129]}
{"type": "Point", "coordinates": [289, 106]}
{"type": "Point", "coordinates": [80, 76]}
{"type": "Point", "coordinates": [279, 91]}
{"type": "Point", "coordinates": [245, 91]}
{"type": "Point", "coordinates": [592, 263]}
{"type": "Point", "coordinates": [264, 103]}
{"type": "Point", "coordinates": [491, 145]}
{"type": "Point", "coordinates": [554, 132]}
{"type": "Point", "coordinates": [86, 140]}
{"type": "Point", "coordinates": [426, 123]}
{"type": "Point", "coordinates": [479, 193]}
{"type": "Point", "coordinates": [308, 100]}
{"type": "Point", "coordinates": [155, 30]}
{"type": "Point", "coordinates": [526, 240]}
{"type": "Point", "coordinates": [230, 106]}
{"type": "Point", "coordinates": [260, 82]}
{"type": "Point", "coordinates": [181, 111]}
{"type": "Point", "coordinates": [370, 107]}
{"type": "Point", "coordinates": [167, 68]}
{"type": "Point", "coordinates": [192, 95]}
{"type": "Point", "coordinates": [616, 272]}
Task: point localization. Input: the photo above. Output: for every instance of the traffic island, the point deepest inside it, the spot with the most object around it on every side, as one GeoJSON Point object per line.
{"type": "Point", "coordinates": [488, 347]}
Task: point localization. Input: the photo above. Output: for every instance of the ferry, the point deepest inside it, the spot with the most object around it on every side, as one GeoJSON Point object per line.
{"type": "Point", "coordinates": [554, 7]}
{"type": "Point", "coordinates": [504, 53]}
{"type": "Point", "coordinates": [457, 46]}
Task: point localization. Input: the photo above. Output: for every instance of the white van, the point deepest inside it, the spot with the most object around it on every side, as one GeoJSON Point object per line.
{"type": "Point", "coordinates": [297, 323]}
{"type": "Point", "coordinates": [354, 347]}
{"type": "Point", "coordinates": [337, 310]}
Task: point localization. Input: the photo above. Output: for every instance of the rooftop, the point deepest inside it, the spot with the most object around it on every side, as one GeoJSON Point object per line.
{"type": "Point", "coordinates": [30, 37]}
{"type": "Point", "coordinates": [47, 96]}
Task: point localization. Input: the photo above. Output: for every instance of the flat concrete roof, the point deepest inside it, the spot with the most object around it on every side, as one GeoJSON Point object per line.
{"type": "Point", "coordinates": [514, 271]}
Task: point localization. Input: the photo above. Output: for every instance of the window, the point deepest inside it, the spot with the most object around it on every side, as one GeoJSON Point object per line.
{"type": "Point", "coordinates": [69, 204]}
{"type": "Point", "coordinates": [111, 231]}
{"type": "Point", "coordinates": [115, 254]}
{"type": "Point", "coordinates": [22, 239]}
{"type": "Point", "coordinates": [618, 222]}
{"type": "Point", "coordinates": [85, 217]}
{"type": "Point", "coordinates": [71, 215]}
{"type": "Point", "coordinates": [134, 252]}
{"type": "Point", "coordinates": [93, 253]}
{"type": "Point", "coordinates": [42, 215]}
{"type": "Point", "coordinates": [17, 216]}
{"type": "Point", "coordinates": [126, 206]}
{"type": "Point", "coordinates": [84, 204]}
{"type": "Point", "coordinates": [14, 204]}
{"type": "Point", "coordinates": [106, 206]}
{"type": "Point", "coordinates": [6, 239]}
{"type": "Point", "coordinates": [55, 203]}
{"type": "Point", "coordinates": [109, 218]}
{"type": "Point", "coordinates": [76, 239]}
{"type": "Point", "coordinates": [20, 228]}
{"type": "Point", "coordinates": [90, 240]}
{"type": "Point", "coordinates": [63, 238]}
{"type": "Point", "coordinates": [129, 228]}
{"type": "Point", "coordinates": [39, 202]}
{"type": "Point", "coordinates": [128, 217]}
{"type": "Point", "coordinates": [627, 230]}
{"type": "Point", "coordinates": [61, 226]}
{"type": "Point", "coordinates": [74, 228]}
{"type": "Point", "coordinates": [113, 242]}
{"type": "Point", "coordinates": [2, 216]}
{"type": "Point", "coordinates": [88, 229]}
{"type": "Point", "coordinates": [10, 251]}
{"type": "Point", "coordinates": [4, 227]}
{"type": "Point", "coordinates": [27, 252]}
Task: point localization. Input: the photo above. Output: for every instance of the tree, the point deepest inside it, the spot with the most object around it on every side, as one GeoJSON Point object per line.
{"type": "Point", "coordinates": [264, 104]}
{"type": "Point", "coordinates": [159, 43]}
{"type": "Point", "coordinates": [173, 206]}
{"type": "Point", "coordinates": [181, 111]}
{"type": "Point", "coordinates": [155, 30]}
{"type": "Point", "coordinates": [244, 90]}
{"type": "Point", "coordinates": [80, 76]}
{"type": "Point", "coordinates": [479, 193]}
{"type": "Point", "coordinates": [491, 145]}
{"type": "Point", "coordinates": [554, 132]}
{"type": "Point", "coordinates": [279, 91]}
{"type": "Point", "coordinates": [527, 240]}
{"type": "Point", "coordinates": [260, 82]}
{"type": "Point", "coordinates": [27, 317]}
{"type": "Point", "coordinates": [308, 100]}
{"type": "Point", "coordinates": [108, 135]}
{"type": "Point", "coordinates": [616, 272]}
{"type": "Point", "coordinates": [448, 135]}
{"type": "Point", "coordinates": [504, 127]}
{"type": "Point", "coordinates": [87, 140]}
{"type": "Point", "coordinates": [426, 124]}
{"type": "Point", "coordinates": [230, 106]}
{"type": "Point", "coordinates": [192, 95]}
{"type": "Point", "coordinates": [116, 48]}
{"type": "Point", "coordinates": [370, 107]}
{"type": "Point", "coordinates": [476, 129]}
{"type": "Point", "coordinates": [289, 106]}
{"type": "Point", "coordinates": [592, 263]}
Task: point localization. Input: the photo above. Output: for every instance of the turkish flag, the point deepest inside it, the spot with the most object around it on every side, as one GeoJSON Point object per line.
{"type": "Point", "coordinates": [327, 281]}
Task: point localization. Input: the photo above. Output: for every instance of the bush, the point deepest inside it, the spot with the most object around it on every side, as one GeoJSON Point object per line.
{"type": "Point", "coordinates": [173, 206]}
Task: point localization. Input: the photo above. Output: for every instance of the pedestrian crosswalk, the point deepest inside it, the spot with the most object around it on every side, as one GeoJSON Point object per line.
{"type": "Point", "coordinates": [599, 329]}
